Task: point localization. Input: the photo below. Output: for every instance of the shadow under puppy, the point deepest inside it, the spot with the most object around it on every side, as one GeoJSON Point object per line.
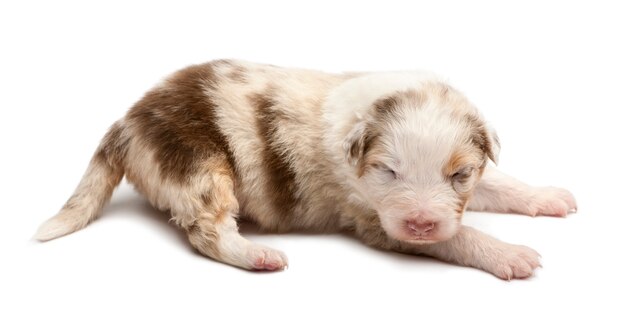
{"type": "Point", "coordinates": [394, 157]}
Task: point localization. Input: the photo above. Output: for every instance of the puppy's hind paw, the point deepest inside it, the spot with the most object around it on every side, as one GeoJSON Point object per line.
{"type": "Point", "coordinates": [262, 258]}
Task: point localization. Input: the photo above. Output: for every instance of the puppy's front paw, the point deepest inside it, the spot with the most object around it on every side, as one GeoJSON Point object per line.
{"type": "Point", "coordinates": [552, 201]}
{"type": "Point", "coordinates": [266, 259]}
{"type": "Point", "coordinates": [512, 262]}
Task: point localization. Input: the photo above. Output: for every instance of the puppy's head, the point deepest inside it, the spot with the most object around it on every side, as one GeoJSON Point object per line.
{"type": "Point", "coordinates": [417, 156]}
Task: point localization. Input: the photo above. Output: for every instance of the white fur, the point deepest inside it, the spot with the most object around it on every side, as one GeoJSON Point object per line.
{"type": "Point", "coordinates": [498, 192]}
{"type": "Point", "coordinates": [473, 248]}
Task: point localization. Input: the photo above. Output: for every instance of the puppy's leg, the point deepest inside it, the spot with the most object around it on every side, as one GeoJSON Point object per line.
{"type": "Point", "coordinates": [497, 192]}
{"type": "Point", "coordinates": [469, 247]}
{"type": "Point", "coordinates": [215, 233]}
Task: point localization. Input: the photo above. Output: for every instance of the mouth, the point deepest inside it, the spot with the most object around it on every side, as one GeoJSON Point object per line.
{"type": "Point", "coordinates": [417, 236]}
{"type": "Point", "coordinates": [421, 240]}
{"type": "Point", "coordinates": [417, 240]}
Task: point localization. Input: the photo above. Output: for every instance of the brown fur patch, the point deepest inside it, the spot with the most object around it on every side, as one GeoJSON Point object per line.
{"type": "Point", "coordinates": [457, 161]}
{"type": "Point", "coordinates": [368, 158]}
{"type": "Point", "coordinates": [479, 135]}
{"type": "Point", "coordinates": [464, 199]}
{"type": "Point", "coordinates": [362, 147]}
{"type": "Point", "coordinates": [387, 107]}
{"type": "Point", "coordinates": [206, 199]}
{"type": "Point", "coordinates": [480, 138]}
{"type": "Point", "coordinates": [204, 237]}
{"type": "Point", "coordinates": [178, 122]}
{"type": "Point", "coordinates": [281, 185]}
{"type": "Point", "coordinates": [355, 149]}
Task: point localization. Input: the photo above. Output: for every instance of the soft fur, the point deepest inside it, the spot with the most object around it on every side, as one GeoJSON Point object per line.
{"type": "Point", "coordinates": [395, 158]}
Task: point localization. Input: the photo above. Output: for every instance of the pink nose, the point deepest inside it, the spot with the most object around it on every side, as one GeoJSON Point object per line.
{"type": "Point", "coordinates": [420, 227]}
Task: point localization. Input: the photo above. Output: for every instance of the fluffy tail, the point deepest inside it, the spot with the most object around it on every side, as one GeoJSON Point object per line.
{"type": "Point", "coordinates": [104, 173]}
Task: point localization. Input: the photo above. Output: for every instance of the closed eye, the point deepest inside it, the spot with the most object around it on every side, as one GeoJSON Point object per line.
{"type": "Point", "coordinates": [462, 174]}
{"type": "Point", "coordinates": [460, 180]}
{"type": "Point", "coordinates": [386, 169]}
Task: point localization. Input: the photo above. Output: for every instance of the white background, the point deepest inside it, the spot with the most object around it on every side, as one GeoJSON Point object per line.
{"type": "Point", "coordinates": [549, 75]}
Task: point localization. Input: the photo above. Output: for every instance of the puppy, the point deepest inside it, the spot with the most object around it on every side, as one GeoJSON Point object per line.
{"type": "Point", "coordinates": [393, 158]}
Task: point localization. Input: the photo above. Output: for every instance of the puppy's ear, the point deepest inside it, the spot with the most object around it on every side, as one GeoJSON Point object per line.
{"type": "Point", "coordinates": [493, 152]}
{"type": "Point", "coordinates": [484, 136]}
{"type": "Point", "coordinates": [354, 143]}
{"type": "Point", "coordinates": [487, 139]}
